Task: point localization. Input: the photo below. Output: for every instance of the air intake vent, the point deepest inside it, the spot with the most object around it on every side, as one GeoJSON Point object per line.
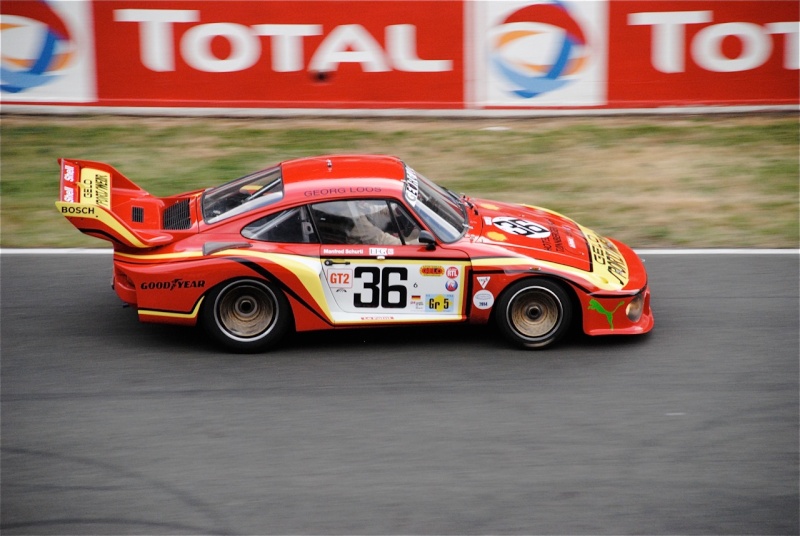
{"type": "Point", "coordinates": [137, 215]}
{"type": "Point", "coordinates": [176, 217]}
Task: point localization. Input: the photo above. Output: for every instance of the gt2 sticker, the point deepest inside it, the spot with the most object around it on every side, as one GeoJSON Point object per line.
{"type": "Point", "coordinates": [340, 278]}
{"type": "Point", "coordinates": [521, 227]}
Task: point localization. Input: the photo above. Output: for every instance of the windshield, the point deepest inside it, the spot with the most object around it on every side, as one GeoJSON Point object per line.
{"type": "Point", "coordinates": [241, 195]}
{"type": "Point", "coordinates": [441, 210]}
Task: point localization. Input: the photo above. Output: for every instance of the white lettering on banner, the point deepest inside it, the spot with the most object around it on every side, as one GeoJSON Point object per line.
{"type": "Point", "coordinates": [287, 43]}
{"type": "Point", "coordinates": [155, 33]}
{"type": "Point", "coordinates": [669, 41]}
{"type": "Point", "coordinates": [791, 54]}
{"type": "Point", "coordinates": [348, 43]}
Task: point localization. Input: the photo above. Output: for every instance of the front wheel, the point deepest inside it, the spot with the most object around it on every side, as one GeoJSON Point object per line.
{"type": "Point", "coordinates": [246, 315]}
{"type": "Point", "coordinates": [534, 313]}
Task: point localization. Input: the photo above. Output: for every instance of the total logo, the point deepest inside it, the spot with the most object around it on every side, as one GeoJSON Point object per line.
{"type": "Point", "coordinates": [36, 46]}
{"type": "Point", "coordinates": [539, 48]}
{"type": "Point", "coordinates": [347, 43]}
{"type": "Point", "coordinates": [47, 51]}
{"type": "Point", "coordinates": [541, 52]}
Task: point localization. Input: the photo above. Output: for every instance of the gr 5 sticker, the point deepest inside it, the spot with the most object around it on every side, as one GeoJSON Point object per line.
{"type": "Point", "coordinates": [440, 303]}
{"type": "Point", "coordinates": [521, 227]}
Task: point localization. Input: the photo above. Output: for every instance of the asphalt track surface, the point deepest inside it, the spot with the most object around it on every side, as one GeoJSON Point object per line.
{"type": "Point", "coordinates": [110, 426]}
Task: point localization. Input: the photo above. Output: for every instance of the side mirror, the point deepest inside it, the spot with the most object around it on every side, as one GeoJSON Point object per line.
{"type": "Point", "coordinates": [427, 239]}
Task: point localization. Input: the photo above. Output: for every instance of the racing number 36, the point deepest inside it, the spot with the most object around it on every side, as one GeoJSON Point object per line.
{"type": "Point", "coordinates": [378, 288]}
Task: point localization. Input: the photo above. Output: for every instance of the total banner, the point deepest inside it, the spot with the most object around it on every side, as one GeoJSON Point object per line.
{"type": "Point", "coordinates": [398, 54]}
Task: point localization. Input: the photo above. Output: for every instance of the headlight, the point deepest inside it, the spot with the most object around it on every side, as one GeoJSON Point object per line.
{"type": "Point", "coordinates": [636, 307]}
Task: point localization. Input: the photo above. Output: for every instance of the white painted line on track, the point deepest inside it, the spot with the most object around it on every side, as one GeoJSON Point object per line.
{"type": "Point", "coordinates": [709, 251]}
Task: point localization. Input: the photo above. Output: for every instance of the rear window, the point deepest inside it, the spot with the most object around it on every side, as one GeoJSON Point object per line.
{"type": "Point", "coordinates": [242, 195]}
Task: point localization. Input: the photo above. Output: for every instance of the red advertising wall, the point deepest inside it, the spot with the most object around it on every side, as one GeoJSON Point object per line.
{"type": "Point", "coordinates": [703, 52]}
{"type": "Point", "coordinates": [400, 54]}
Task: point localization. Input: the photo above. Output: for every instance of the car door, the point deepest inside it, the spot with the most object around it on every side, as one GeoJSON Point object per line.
{"type": "Point", "coordinates": [374, 270]}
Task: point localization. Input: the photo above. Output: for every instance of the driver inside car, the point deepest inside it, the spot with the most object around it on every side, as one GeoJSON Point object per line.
{"type": "Point", "coordinates": [374, 223]}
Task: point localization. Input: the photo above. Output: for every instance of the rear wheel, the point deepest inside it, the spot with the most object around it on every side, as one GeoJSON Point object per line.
{"type": "Point", "coordinates": [246, 315]}
{"type": "Point", "coordinates": [534, 313]}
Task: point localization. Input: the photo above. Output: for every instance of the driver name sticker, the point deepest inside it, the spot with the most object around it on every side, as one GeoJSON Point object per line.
{"type": "Point", "coordinates": [521, 227]}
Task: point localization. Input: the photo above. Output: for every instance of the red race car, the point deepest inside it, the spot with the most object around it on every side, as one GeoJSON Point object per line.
{"type": "Point", "coordinates": [351, 241]}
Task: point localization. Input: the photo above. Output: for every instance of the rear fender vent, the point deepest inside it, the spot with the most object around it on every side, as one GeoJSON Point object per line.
{"type": "Point", "coordinates": [137, 215]}
{"type": "Point", "coordinates": [176, 217]}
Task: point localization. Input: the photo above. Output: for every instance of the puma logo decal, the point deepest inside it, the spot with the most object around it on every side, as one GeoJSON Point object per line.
{"type": "Point", "coordinates": [595, 305]}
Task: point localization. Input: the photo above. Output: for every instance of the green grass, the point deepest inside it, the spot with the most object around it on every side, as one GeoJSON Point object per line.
{"type": "Point", "coordinates": [696, 181]}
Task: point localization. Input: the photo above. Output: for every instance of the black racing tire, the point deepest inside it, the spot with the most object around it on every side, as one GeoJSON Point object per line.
{"type": "Point", "coordinates": [246, 315]}
{"type": "Point", "coordinates": [534, 313]}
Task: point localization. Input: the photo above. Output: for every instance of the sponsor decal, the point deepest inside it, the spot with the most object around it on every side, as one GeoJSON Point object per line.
{"type": "Point", "coordinates": [175, 284]}
{"type": "Point", "coordinates": [411, 191]}
{"type": "Point", "coordinates": [381, 251]}
{"type": "Point", "coordinates": [571, 241]}
{"type": "Point", "coordinates": [553, 242]}
{"type": "Point", "coordinates": [69, 195]}
{"type": "Point", "coordinates": [95, 187]}
{"type": "Point", "coordinates": [69, 173]}
{"type": "Point", "coordinates": [340, 279]}
{"type": "Point", "coordinates": [78, 210]}
{"type": "Point", "coordinates": [521, 227]}
{"type": "Point", "coordinates": [431, 271]}
{"type": "Point", "coordinates": [377, 318]}
{"type": "Point", "coordinates": [483, 299]}
{"type": "Point", "coordinates": [439, 303]}
{"type": "Point", "coordinates": [595, 305]}
{"type": "Point", "coordinates": [452, 272]}
{"type": "Point", "coordinates": [604, 253]}
{"type": "Point", "coordinates": [497, 237]}
{"type": "Point", "coordinates": [451, 285]}
{"type": "Point", "coordinates": [483, 280]}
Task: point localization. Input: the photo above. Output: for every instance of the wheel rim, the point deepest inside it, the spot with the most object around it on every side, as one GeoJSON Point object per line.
{"type": "Point", "coordinates": [246, 311]}
{"type": "Point", "coordinates": [535, 313]}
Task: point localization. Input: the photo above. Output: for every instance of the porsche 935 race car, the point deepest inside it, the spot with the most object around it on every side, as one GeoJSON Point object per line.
{"type": "Point", "coordinates": [352, 241]}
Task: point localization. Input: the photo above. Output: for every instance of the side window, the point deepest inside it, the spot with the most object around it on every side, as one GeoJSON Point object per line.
{"type": "Point", "coordinates": [290, 226]}
{"type": "Point", "coordinates": [364, 221]}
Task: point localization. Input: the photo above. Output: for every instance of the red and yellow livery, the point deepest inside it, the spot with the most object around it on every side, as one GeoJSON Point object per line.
{"type": "Point", "coordinates": [352, 240]}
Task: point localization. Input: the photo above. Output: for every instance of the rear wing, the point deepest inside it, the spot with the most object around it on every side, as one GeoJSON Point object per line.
{"type": "Point", "coordinates": [99, 201]}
